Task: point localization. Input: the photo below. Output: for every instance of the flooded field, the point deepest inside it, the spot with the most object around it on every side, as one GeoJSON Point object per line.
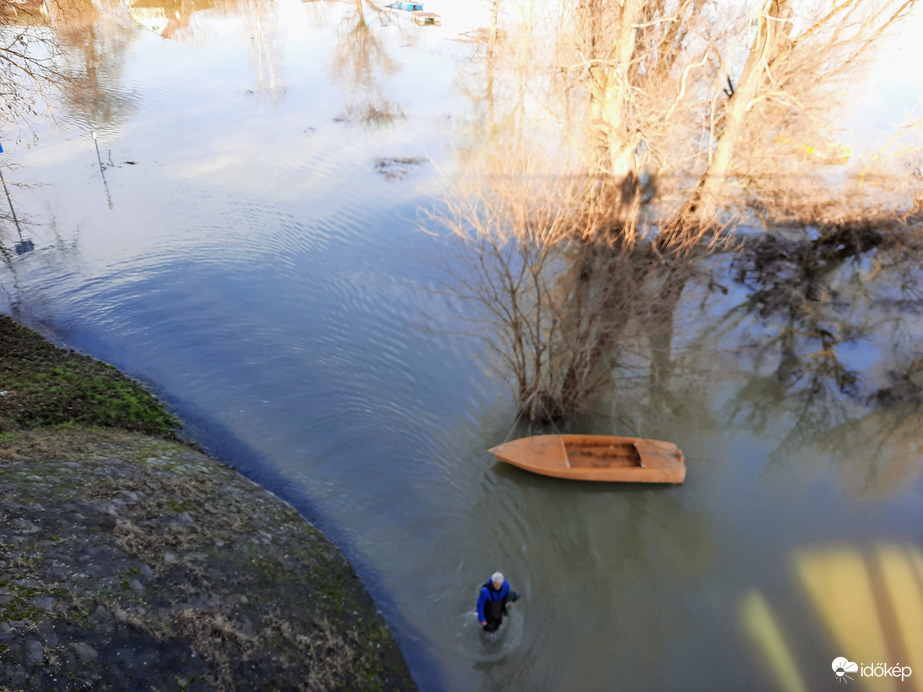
{"type": "Point", "coordinates": [230, 206]}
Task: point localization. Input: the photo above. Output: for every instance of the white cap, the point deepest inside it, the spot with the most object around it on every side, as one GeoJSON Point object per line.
{"type": "Point", "coordinates": [497, 578]}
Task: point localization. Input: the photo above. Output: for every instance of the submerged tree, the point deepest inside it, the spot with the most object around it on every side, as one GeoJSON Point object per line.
{"type": "Point", "coordinates": [555, 316]}
{"type": "Point", "coordinates": [630, 141]}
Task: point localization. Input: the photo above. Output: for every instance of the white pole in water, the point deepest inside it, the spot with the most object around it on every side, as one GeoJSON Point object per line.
{"type": "Point", "coordinates": [102, 171]}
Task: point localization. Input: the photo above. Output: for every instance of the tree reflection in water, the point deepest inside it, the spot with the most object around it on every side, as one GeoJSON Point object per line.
{"type": "Point", "coordinates": [94, 45]}
{"type": "Point", "coordinates": [837, 353]}
{"type": "Point", "coordinates": [362, 63]}
{"type": "Point", "coordinates": [581, 242]}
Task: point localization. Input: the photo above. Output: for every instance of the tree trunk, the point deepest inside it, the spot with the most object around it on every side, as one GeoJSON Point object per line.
{"type": "Point", "coordinates": [773, 29]}
{"type": "Point", "coordinates": [610, 116]}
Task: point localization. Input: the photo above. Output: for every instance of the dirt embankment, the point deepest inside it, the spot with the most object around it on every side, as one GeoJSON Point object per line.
{"type": "Point", "coordinates": [131, 561]}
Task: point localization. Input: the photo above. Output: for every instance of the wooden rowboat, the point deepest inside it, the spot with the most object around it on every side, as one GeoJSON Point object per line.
{"type": "Point", "coordinates": [596, 458]}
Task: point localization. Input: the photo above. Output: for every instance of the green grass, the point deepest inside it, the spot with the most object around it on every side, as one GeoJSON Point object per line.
{"type": "Point", "coordinates": [45, 386]}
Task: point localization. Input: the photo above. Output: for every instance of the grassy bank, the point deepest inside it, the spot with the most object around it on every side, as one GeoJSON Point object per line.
{"type": "Point", "coordinates": [129, 560]}
{"type": "Point", "coordinates": [43, 386]}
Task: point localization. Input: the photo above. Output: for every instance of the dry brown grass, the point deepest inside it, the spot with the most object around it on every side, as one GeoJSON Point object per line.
{"type": "Point", "coordinates": [185, 557]}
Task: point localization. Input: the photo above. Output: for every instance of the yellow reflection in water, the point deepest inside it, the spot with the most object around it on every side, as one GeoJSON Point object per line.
{"type": "Point", "coordinates": [871, 604]}
{"type": "Point", "coordinates": [905, 590]}
{"type": "Point", "coordinates": [840, 587]}
{"type": "Point", "coordinates": [762, 626]}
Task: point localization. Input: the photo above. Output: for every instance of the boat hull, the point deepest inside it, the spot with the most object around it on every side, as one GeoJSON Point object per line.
{"type": "Point", "coordinates": [596, 458]}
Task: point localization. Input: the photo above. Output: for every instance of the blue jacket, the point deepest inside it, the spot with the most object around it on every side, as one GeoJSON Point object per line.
{"type": "Point", "coordinates": [489, 593]}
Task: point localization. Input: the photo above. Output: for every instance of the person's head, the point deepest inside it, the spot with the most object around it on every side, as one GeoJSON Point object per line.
{"type": "Point", "coordinates": [497, 580]}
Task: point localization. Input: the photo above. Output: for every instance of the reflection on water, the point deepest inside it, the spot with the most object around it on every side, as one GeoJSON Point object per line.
{"type": "Point", "coordinates": [262, 275]}
{"type": "Point", "coordinates": [165, 17]}
{"type": "Point", "coordinates": [870, 603]}
{"type": "Point", "coordinates": [763, 628]}
{"type": "Point", "coordinates": [94, 49]}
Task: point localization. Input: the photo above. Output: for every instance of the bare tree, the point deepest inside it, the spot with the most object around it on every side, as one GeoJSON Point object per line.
{"type": "Point", "coordinates": [717, 110]}
{"type": "Point", "coordinates": [640, 130]}
{"type": "Point", "coordinates": [28, 60]}
{"type": "Point", "coordinates": [553, 315]}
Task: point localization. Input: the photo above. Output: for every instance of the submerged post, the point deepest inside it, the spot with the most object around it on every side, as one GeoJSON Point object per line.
{"type": "Point", "coordinates": [102, 170]}
{"type": "Point", "coordinates": [24, 245]}
{"type": "Point", "coordinates": [10, 200]}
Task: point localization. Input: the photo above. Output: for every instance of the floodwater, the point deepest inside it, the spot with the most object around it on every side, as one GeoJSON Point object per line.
{"type": "Point", "coordinates": [247, 242]}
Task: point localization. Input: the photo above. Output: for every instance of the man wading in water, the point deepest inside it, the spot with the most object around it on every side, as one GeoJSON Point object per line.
{"type": "Point", "coordinates": [494, 600]}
